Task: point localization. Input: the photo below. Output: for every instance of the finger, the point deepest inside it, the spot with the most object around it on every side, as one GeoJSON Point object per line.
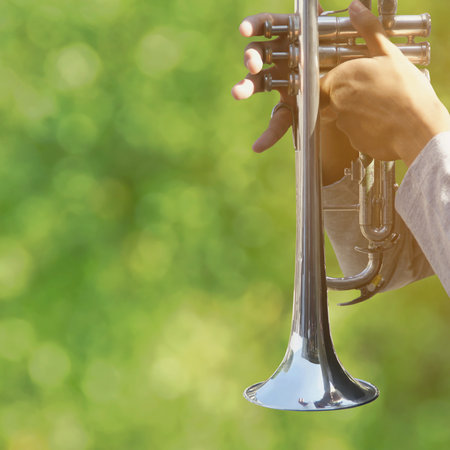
{"type": "Point", "coordinates": [242, 90]}
{"type": "Point", "coordinates": [370, 28]}
{"type": "Point", "coordinates": [254, 25]}
{"type": "Point", "coordinates": [255, 54]}
{"type": "Point", "coordinates": [254, 83]}
{"type": "Point", "coordinates": [254, 59]}
{"type": "Point", "coordinates": [278, 125]}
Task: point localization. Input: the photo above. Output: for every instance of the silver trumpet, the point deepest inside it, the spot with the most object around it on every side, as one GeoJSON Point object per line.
{"type": "Point", "coordinates": [311, 377]}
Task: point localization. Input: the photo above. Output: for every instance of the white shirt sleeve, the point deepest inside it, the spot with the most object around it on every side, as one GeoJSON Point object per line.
{"type": "Point", "coordinates": [423, 202]}
{"type": "Point", "coordinates": [402, 264]}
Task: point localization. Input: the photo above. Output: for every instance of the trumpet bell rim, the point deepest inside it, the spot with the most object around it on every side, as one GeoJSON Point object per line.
{"type": "Point", "coordinates": [329, 401]}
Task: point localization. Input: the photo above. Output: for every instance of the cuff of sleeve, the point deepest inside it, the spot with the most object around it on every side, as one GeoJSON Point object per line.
{"type": "Point", "coordinates": [435, 152]}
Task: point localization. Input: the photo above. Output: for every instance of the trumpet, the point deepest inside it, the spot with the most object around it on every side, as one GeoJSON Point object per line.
{"type": "Point", "coordinates": [310, 376]}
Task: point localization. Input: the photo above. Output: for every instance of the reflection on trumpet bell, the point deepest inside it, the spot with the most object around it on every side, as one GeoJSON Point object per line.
{"type": "Point", "coordinates": [310, 378]}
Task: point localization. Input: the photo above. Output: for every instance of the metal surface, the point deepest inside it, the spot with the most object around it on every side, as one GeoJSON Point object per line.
{"type": "Point", "coordinates": [334, 54]}
{"type": "Point", "coordinates": [310, 377]}
{"type": "Point", "coordinates": [341, 29]}
{"type": "Point", "coordinates": [387, 10]}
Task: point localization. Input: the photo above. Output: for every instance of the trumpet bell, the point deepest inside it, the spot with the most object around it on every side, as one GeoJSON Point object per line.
{"type": "Point", "coordinates": [307, 381]}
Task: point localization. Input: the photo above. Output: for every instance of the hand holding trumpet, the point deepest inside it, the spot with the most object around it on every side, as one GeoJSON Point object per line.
{"type": "Point", "coordinates": [382, 105]}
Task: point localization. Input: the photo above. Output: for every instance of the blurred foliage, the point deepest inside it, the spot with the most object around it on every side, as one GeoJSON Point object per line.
{"type": "Point", "coordinates": [146, 254]}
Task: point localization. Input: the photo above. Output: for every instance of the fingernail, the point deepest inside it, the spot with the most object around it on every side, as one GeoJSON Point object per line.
{"type": "Point", "coordinates": [246, 28]}
{"type": "Point", "coordinates": [357, 7]}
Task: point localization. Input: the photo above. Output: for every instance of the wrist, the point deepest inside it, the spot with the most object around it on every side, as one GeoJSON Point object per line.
{"type": "Point", "coordinates": [420, 135]}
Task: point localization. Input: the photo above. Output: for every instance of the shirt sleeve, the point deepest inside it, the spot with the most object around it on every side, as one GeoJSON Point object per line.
{"type": "Point", "coordinates": [402, 264]}
{"type": "Point", "coordinates": [423, 202]}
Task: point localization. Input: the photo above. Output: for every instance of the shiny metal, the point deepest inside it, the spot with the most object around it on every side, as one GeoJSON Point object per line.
{"type": "Point", "coordinates": [310, 377]}
{"type": "Point", "coordinates": [338, 29]}
{"type": "Point", "coordinates": [387, 9]}
{"type": "Point", "coordinates": [291, 30]}
{"type": "Point", "coordinates": [293, 84]}
{"type": "Point", "coordinates": [332, 55]}
{"type": "Point", "coordinates": [281, 105]}
{"type": "Point", "coordinates": [329, 13]}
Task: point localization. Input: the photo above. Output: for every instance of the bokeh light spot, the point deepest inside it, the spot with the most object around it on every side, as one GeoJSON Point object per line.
{"type": "Point", "coordinates": [149, 258]}
{"type": "Point", "coordinates": [95, 11]}
{"type": "Point", "coordinates": [193, 349]}
{"type": "Point", "coordinates": [16, 339]}
{"type": "Point", "coordinates": [77, 65]}
{"type": "Point", "coordinates": [169, 377]}
{"type": "Point", "coordinates": [15, 268]}
{"type": "Point", "coordinates": [68, 434]}
{"type": "Point", "coordinates": [101, 383]}
{"type": "Point", "coordinates": [27, 441]}
{"type": "Point", "coordinates": [49, 365]}
{"type": "Point", "coordinates": [158, 52]}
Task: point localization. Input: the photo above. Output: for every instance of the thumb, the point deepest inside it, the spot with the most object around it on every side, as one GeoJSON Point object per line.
{"type": "Point", "coordinates": [370, 28]}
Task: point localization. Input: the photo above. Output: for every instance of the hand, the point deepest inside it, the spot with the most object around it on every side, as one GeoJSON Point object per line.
{"type": "Point", "coordinates": [384, 104]}
{"type": "Point", "coordinates": [254, 81]}
{"type": "Point", "coordinates": [336, 149]}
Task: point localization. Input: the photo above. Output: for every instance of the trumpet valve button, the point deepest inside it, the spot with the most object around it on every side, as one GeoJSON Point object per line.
{"type": "Point", "coordinates": [268, 29]}
{"type": "Point", "coordinates": [294, 56]}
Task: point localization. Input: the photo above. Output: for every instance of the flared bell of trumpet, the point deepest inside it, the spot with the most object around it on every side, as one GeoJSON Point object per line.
{"type": "Point", "coordinates": [310, 378]}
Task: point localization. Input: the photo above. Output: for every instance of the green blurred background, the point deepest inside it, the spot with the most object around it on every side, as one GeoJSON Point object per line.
{"type": "Point", "coordinates": [146, 254]}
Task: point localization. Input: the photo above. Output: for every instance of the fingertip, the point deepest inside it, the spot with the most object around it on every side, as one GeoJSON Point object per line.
{"type": "Point", "coordinates": [370, 29]}
{"type": "Point", "coordinates": [236, 91]}
{"type": "Point", "coordinates": [356, 7]}
{"type": "Point", "coordinates": [242, 90]}
{"type": "Point", "coordinates": [233, 93]}
{"type": "Point", "coordinates": [259, 145]}
{"type": "Point", "coordinates": [245, 28]}
{"type": "Point", "coordinates": [257, 149]}
{"type": "Point", "coordinates": [253, 61]}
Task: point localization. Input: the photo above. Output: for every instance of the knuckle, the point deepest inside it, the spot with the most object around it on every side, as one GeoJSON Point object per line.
{"type": "Point", "coordinates": [252, 46]}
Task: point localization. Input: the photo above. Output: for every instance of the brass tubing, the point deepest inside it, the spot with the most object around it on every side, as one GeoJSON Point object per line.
{"type": "Point", "coordinates": [332, 55]}
{"type": "Point", "coordinates": [340, 28]}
